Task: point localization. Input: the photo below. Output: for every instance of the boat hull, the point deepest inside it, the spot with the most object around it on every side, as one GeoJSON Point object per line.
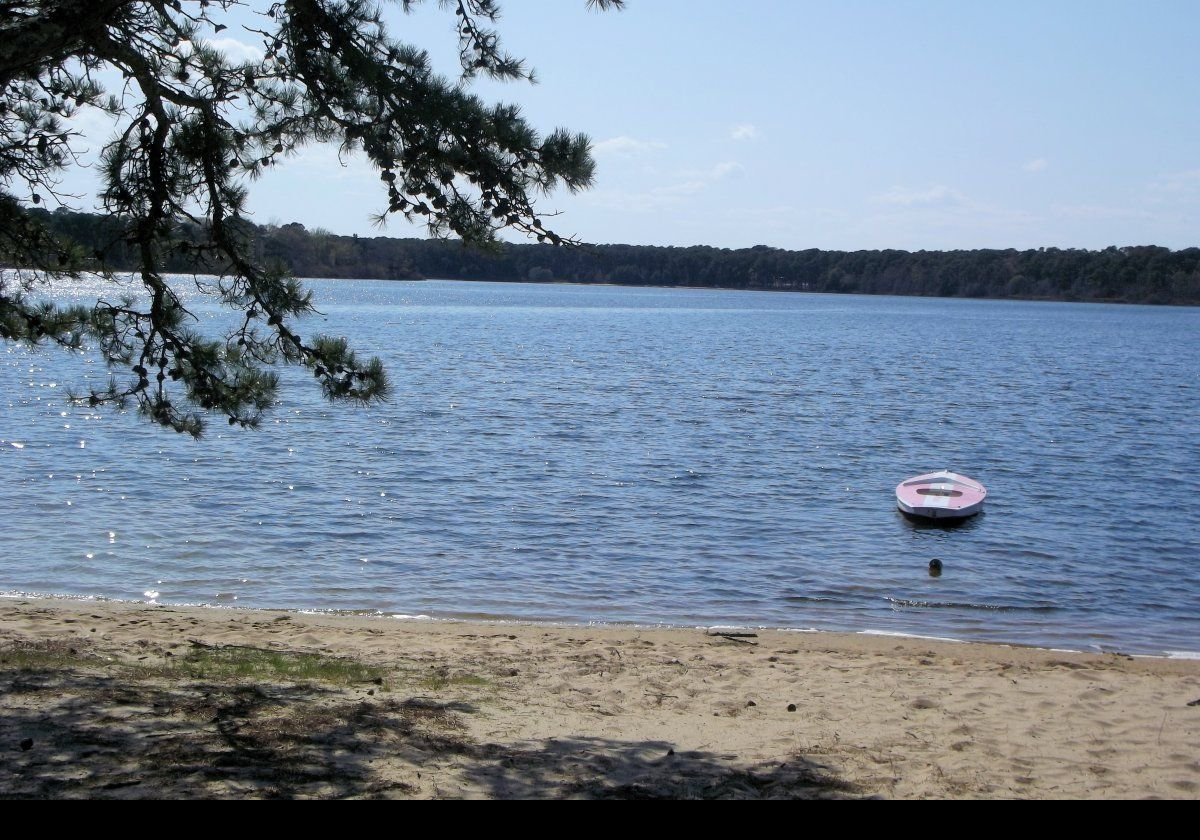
{"type": "Point", "coordinates": [940, 495]}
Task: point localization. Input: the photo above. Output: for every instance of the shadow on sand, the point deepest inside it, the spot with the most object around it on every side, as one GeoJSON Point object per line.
{"type": "Point", "coordinates": [69, 732]}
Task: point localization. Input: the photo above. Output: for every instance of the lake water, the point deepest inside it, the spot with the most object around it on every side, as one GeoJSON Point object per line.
{"type": "Point", "coordinates": [600, 454]}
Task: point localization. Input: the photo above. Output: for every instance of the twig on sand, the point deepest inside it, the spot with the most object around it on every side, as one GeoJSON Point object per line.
{"type": "Point", "coordinates": [740, 638]}
{"type": "Point", "coordinates": [196, 643]}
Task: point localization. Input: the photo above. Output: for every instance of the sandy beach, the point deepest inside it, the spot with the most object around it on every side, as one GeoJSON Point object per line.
{"type": "Point", "coordinates": [116, 700]}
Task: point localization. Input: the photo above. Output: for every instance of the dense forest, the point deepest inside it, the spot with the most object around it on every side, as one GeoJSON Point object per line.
{"type": "Point", "coordinates": [1140, 274]}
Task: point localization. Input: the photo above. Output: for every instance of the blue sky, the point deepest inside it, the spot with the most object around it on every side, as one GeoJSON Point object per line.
{"type": "Point", "coordinates": [840, 125]}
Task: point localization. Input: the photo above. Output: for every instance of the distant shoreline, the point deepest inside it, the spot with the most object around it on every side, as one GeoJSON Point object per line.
{"type": "Point", "coordinates": [605, 284]}
{"type": "Point", "coordinates": [1129, 274]}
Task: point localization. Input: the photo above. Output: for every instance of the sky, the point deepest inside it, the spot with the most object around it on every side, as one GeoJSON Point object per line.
{"type": "Point", "coordinates": [844, 124]}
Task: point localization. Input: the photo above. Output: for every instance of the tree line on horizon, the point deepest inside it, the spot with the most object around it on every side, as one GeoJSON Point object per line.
{"type": "Point", "coordinates": [1133, 274]}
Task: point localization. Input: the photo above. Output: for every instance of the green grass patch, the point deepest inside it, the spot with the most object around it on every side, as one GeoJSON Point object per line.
{"type": "Point", "coordinates": [440, 679]}
{"type": "Point", "coordinates": [256, 663]}
{"type": "Point", "coordinates": [42, 656]}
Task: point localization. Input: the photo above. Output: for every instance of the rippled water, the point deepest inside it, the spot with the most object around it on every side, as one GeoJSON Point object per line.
{"type": "Point", "coordinates": [654, 456]}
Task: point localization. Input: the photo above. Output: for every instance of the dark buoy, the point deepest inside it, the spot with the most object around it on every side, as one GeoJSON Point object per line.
{"type": "Point", "coordinates": [935, 567]}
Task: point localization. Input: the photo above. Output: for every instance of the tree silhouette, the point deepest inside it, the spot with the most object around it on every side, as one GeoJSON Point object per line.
{"type": "Point", "coordinates": [195, 126]}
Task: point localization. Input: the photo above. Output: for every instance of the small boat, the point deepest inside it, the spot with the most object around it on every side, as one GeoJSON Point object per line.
{"type": "Point", "coordinates": [940, 495]}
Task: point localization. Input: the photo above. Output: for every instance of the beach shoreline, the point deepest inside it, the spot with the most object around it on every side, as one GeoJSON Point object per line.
{"type": "Point", "coordinates": [127, 699]}
{"type": "Point", "coordinates": [1162, 651]}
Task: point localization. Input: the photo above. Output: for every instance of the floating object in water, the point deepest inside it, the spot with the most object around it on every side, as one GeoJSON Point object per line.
{"type": "Point", "coordinates": [940, 495]}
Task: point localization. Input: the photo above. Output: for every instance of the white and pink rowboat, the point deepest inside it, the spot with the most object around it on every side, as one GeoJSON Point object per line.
{"type": "Point", "coordinates": [940, 495]}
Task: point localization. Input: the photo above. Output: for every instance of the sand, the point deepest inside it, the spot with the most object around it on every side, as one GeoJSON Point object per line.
{"type": "Point", "coordinates": [118, 700]}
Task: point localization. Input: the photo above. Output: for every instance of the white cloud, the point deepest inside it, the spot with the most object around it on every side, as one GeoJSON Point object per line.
{"type": "Point", "coordinates": [1095, 212]}
{"type": "Point", "coordinates": [687, 183]}
{"type": "Point", "coordinates": [745, 131]}
{"type": "Point", "coordinates": [943, 217]}
{"type": "Point", "coordinates": [717, 172]}
{"type": "Point", "coordinates": [903, 197]}
{"type": "Point", "coordinates": [95, 125]}
{"type": "Point", "coordinates": [236, 51]}
{"type": "Point", "coordinates": [1036, 165]}
{"type": "Point", "coordinates": [626, 146]}
{"type": "Point", "coordinates": [94, 129]}
{"type": "Point", "coordinates": [1178, 184]}
{"type": "Point", "coordinates": [663, 191]}
{"type": "Point", "coordinates": [647, 201]}
{"type": "Point", "coordinates": [727, 169]}
{"type": "Point", "coordinates": [680, 189]}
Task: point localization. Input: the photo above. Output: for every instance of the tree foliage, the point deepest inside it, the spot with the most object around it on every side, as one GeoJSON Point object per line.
{"type": "Point", "coordinates": [1132, 274]}
{"type": "Point", "coordinates": [195, 126]}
